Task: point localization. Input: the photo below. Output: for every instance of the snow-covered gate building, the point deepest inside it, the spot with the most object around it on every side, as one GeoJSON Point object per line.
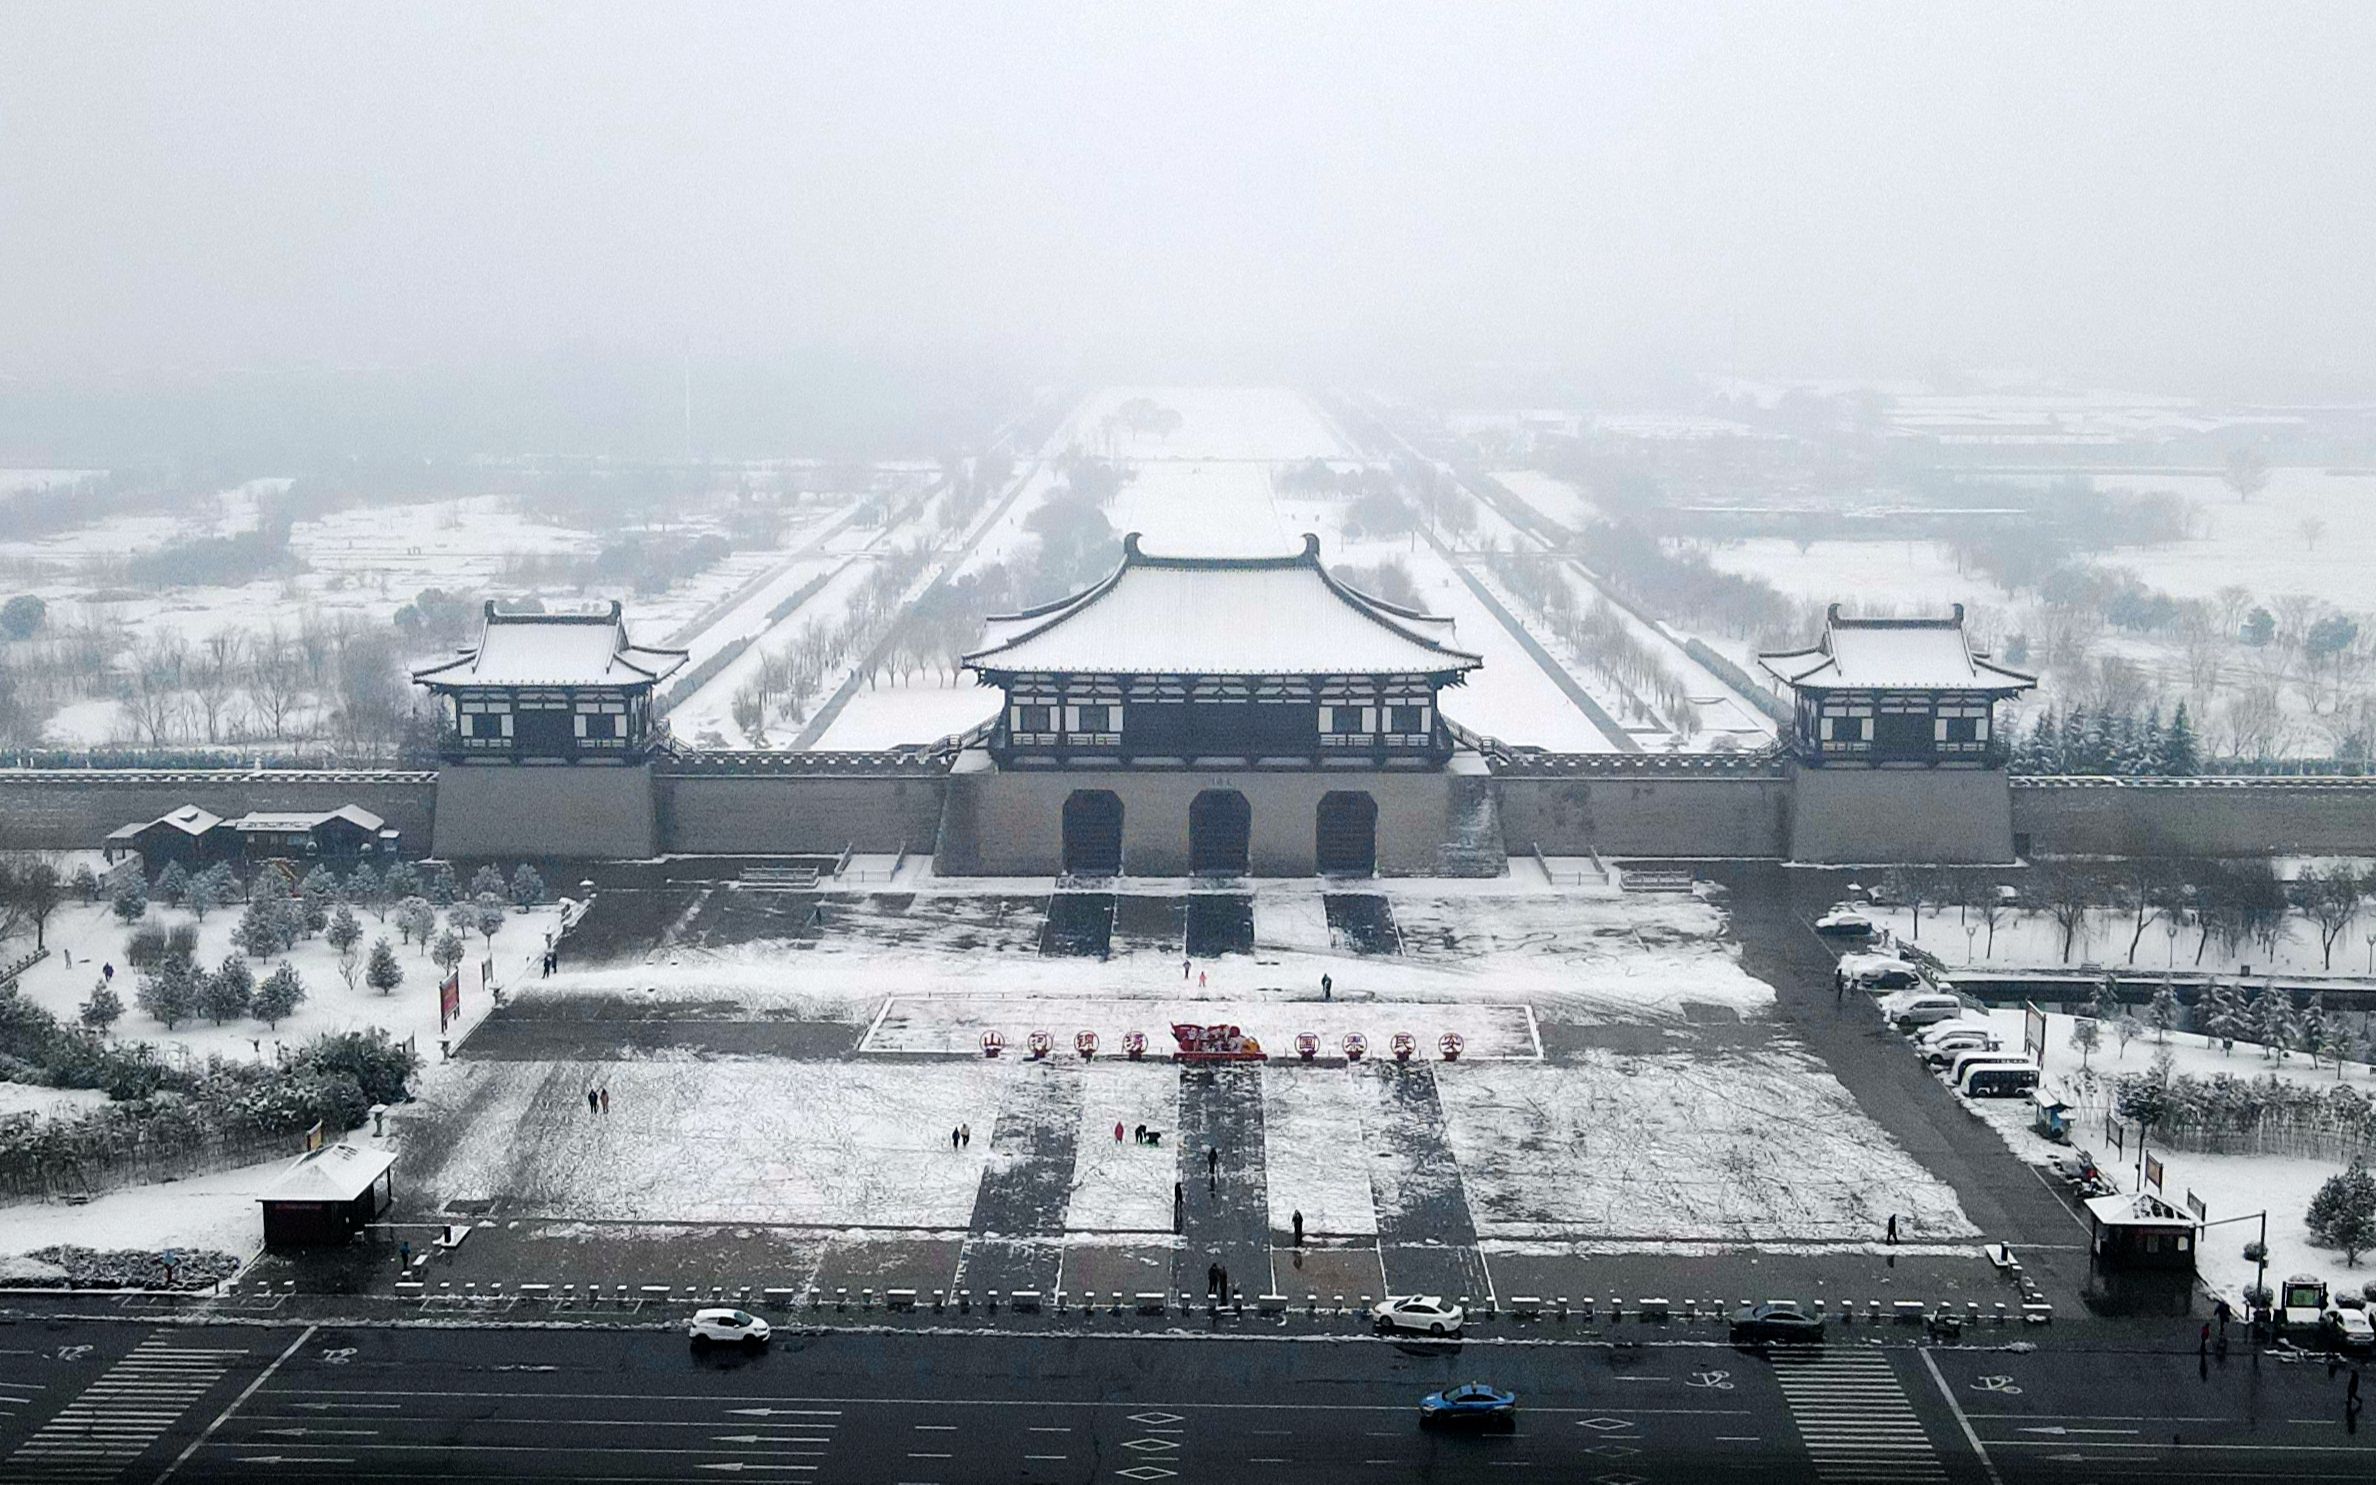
{"type": "Point", "coordinates": [1219, 716]}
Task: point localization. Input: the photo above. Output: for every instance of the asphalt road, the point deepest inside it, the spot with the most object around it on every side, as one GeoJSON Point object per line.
{"type": "Point", "coordinates": [85, 1401]}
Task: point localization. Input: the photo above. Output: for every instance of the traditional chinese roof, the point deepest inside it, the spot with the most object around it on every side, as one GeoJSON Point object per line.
{"type": "Point", "coordinates": [1893, 655]}
{"type": "Point", "coordinates": [1221, 616]}
{"type": "Point", "coordinates": [189, 820]}
{"type": "Point", "coordinates": [339, 1172]}
{"type": "Point", "coordinates": [308, 819]}
{"type": "Point", "coordinates": [583, 648]}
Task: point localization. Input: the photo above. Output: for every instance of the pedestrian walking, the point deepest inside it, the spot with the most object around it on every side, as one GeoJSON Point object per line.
{"type": "Point", "coordinates": [404, 1256]}
{"type": "Point", "coordinates": [2351, 1395]}
{"type": "Point", "coordinates": [107, 970]}
{"type": "Point", "coordinates": [968, 1131]}
{"type": "Point", "coordinates": [1299, 1229]}
{"type": "Point", "coordinates": [69, 954]}
{"type": "Point", "coordinates": [1327, 988]}
{"type": "Point", "coordinates": [2203, 1342]}
{"type": "Point", "coordinates": [606, 1098]}
{"type": "Point", "coordinates": [1118, 1131]}
{"type": "Point", "coordinates": [1893, 1227]}
{"type": "Point", "coordinates": [1225, 1283]}
{"type": "Point", "coordinates": [952, 1136]}
{"type": "Point", "coordinates": [1184, 966]}
{"type": "Point", "coordinates": [593, 1102]}
{"type": "Point", "coordinates": [1212, 1280]}
{"type": "Point", "coordinates": [1212, 1161]}
{"type": "Point", "coordinates": [1200, 979]}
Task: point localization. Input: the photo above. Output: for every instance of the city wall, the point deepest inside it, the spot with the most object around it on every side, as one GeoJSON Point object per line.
{"type": "Point", "coordinates": [1459, 822]}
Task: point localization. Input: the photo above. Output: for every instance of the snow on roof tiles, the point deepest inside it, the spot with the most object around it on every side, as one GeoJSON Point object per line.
{"type": "Point", "coordinates": [339, 1172]}
{"type": "Point", "coordinates": [1221, 616]}
{"type": "Point", "coordinates": [554, 649]}
{"type": "Point", "coordinates": [1892, 655]}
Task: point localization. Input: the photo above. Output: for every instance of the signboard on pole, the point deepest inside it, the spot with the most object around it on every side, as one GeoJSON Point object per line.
{"type": "Point", "coordinates": [449, 1001]}
{"type": "Point", "coordinates": [2195, 1205]}
{"type": "Point", "coordinates": [314, 1137]}
{"type": "Point", "coordinates": [2033, 1033]}
{"type": "Point", "coordinates": [2153, 1173]}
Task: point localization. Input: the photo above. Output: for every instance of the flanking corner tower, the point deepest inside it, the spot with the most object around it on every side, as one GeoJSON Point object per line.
{"type": "Point", "coordinates": [547, 733]}
{"type": "Point", "coordinates": [1893, 743]}
{"type": "Point", "coordinates": [1219, 716]}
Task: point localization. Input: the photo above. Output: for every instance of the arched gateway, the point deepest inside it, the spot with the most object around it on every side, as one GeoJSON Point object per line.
{"type": "Point", "coordinates": [1220, 833]}
{"type": "Point", "coordinates": [1093, 833]}
{"type": "Point", "coordinates": [1345, 834]}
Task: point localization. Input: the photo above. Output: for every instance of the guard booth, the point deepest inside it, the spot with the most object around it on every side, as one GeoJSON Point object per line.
{"type": "Point", "coordinates": [328, 1196]}
{"type": "Point", "coordinates": [2141, 1232]}
{"type": "Point", "coordinates": [2050, 1116]}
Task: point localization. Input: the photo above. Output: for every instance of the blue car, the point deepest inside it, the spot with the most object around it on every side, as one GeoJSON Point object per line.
{"type": "Point", "coordinates": [1471, 1405]}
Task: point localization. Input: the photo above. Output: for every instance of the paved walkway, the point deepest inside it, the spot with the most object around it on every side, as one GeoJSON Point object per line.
{"type": "Point", "coordinates": [1017, 1237]}
{"type": "Point", "coordinates": [1226, 1212]}
{"type": "Point", "coordinates": [1426, 1238]}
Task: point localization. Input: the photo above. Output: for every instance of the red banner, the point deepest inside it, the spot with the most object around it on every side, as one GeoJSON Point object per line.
{"type": "Point", "coordinates": [449, 1001]}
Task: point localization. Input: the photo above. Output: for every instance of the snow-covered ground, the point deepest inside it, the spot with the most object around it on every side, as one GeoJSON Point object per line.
{"type": "Point", "coordinates": [1553, 499]}
{"type": "Point", "coordinates": [92, 937]}
{"type": "Point", "coordinates": [215, 1211]}
{"type": "Point", "coordinates": [1122, 1185]}
{"type": "Point", "coordinates": [2033, 940]}
{"type": "Point", "coordinates": [1261, 424]}
{"type": "Point", "coordinates": [2260, 544]}
{"type": "Point", "coordinates": [717, 1141]}
{"type": "Point", "coordinates": [1684, 1146]}
{"type": "Point", "coordinates": [25, 1098]}
{"type": "Point", "coordinates": [1312, 1125]}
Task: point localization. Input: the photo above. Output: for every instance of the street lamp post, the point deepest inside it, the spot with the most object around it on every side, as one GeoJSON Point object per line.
{"type": "Point", "coordinates": [1971, 930]}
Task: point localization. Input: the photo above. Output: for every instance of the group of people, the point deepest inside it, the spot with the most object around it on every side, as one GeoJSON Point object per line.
{"type": "Point", "coordinates": [961, 1136]}
{"type": "Point", "coordinates": [598, 1100]}
{"type": "Point", "coordinates": [1139, 1134]}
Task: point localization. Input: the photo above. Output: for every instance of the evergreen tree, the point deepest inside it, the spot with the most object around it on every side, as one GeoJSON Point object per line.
{"type": "Point", "coordinates": [383, 973]}
{"type": "Point", "coordinates": [2312, 1029]}
{"type": "Point", "coordinates": [255, 932]}
{"type": "Point", "coordinates": [365, 890]}
{"type": "Point", "coordinates": [2145, 750]}
{"type": "Point", "coordinates": [416, 920]}
{"type": "Point", "coordinates": [439, 885]}
{"type": "Point", "coordinates": [2223, 1016]}
{"type": "Point", "coordinates": [403, 880]}
{"type": "Point", "coordinates": [204, 894]}
{"type": "Point", "coordinates": [2343, 1213]}
{"type": "Point", "coordinates": [225, 994]}
{"type": "Point", "coordinates": [448, 951]}
{"type": "Point", "coordinates": [486, 879]}
{"type": "Point", "coordinates": [169, 993]}
{"type": "Point", "coordinates": [527, 888]}
{"type": "Point", "coordinates": [131, 898]}
{"type": "Point", "coordinates": [2267, 1016]}
{"type": "Point", "coordinates": [2105, 1007]}
{"type": "Point", "coordinates": [2163, 1012]}
{"type": "Point", "coordinates": [2037, 754]}
{"type": "Point", "coordinates": [103, 1009]}
{"type": "Point", "coordinates": [173, 883]}
{"type": "Point", "coordinates": [2181, 754]}
{"type": "Point", "coordinates": [344, 929]}
{"type": "Point", "coordinates": [2070, 744]}
{"type": "Point", "coordinates": [279, 996]}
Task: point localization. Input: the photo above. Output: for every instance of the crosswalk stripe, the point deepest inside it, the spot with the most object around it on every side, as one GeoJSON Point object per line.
{"type": "Point", "coordinates": [120, 1414]}
{"type": "Point", "coordinates": [1855, 1422]}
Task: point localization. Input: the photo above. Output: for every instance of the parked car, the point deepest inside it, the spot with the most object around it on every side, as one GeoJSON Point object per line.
{"type": "Point", "coordinates": [1844, 921]}
{"type": "Point", "coordinates": [727, 1327]}
{"type": "Point", "coordinates": [1964, 1062]}
{"type": "Point", "coordinates": [1880, 972]}
{"type": "Point", "coordinates": [1471, 1405]}
{"type": "Point", "coordinates": [1939, 1043]}
{"type": "Point", "coordinates": [1424, 1313]}
{"type": "Point", "coordinates": [1908, 1009]}
{"type": "Point", "coordinates": [1776, 1320]}
{"type": "Point", "coordinates": [2350, 1331]}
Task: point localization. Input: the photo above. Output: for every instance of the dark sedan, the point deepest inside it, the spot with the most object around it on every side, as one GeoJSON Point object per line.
{"type": "Point", "coordinates": [1783, 1323]}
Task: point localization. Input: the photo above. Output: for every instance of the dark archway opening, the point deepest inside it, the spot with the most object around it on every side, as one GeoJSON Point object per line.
{"type": "Point", "coordinates": [1220, 826]}
{"type": "Point", "coordinates": [1093, 833]}
{"type": "Point", "coordinates": [1346, 836]}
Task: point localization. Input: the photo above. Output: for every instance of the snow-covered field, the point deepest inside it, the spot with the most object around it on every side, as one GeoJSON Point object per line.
{"type": "Point", "coordinates": [1260, 424]}
{"type": "Point", "coordinates": [2260, 544]}
{"type": "Point", "coordinates": [2034, 941]}
{"type": "Point", "coordinates": [718, 1141]}
{"type": "Point", "coordinates": [1684, 1146]}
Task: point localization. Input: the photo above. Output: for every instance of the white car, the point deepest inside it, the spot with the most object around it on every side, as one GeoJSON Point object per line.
{"type": "Point", "coordinates": [1425, 1313]}
{"type": "Point", "coordinates": [1942, 1043]}
{"type": "Point", "coordinates": [2349, 1330]}
{"type": "Point", "coordinates": [1846, 922]}
{"type": "Point", "coordinates": [1908, 1009]}
{"type": "Point", "coordinates": [727, 1328]}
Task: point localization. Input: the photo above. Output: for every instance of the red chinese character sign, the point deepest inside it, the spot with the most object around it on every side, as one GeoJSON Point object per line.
{"type": "Point", "coordinates": [1214, 1044]}
{"type": "Point", "coordinates": [449, 1001]}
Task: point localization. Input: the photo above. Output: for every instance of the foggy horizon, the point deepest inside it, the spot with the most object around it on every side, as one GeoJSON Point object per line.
{"type": "Point", "coordinates": [2162, 199]}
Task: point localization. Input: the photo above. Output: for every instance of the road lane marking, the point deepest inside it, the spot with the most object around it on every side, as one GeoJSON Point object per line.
{"type": "Point", "coordinates": [1971, 1435]}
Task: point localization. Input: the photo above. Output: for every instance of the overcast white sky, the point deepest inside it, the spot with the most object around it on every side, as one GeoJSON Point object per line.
{"type": "Point", "coordinates": [2151, 192]}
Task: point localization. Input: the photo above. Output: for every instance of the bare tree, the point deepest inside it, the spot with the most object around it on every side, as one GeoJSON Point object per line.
{"type": "Point", "coordinates": [2068, 892]}
{"type": "Point", "coordinates": [2247, 472]}
{"type": "Point", "coordinates": [276, 680]}
{"type": "Point", "coordinates": [212, 669]}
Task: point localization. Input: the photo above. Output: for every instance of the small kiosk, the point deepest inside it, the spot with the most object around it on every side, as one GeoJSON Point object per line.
{"type": "Point", "coordinates": [2140, 1232]}
{"type": "Point", "coordinates": [328, 1196]}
